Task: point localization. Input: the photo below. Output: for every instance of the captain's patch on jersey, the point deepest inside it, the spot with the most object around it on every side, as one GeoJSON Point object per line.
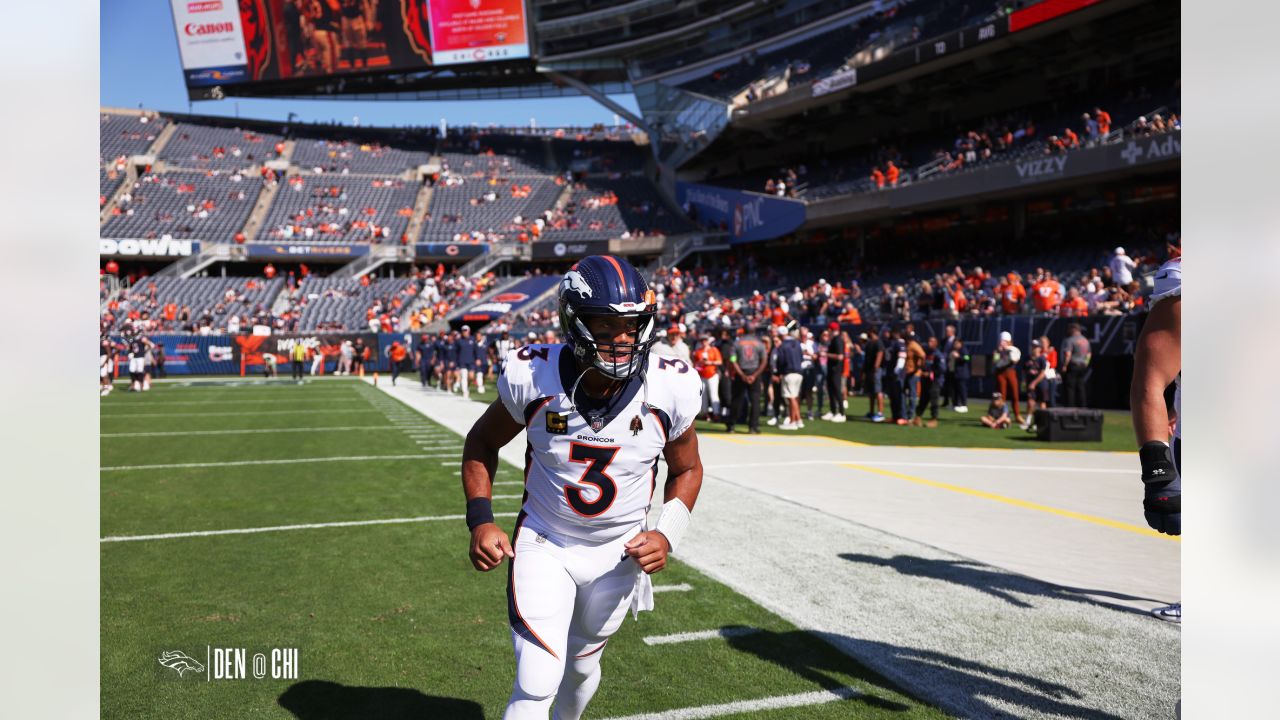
{"type": "Point", "coordinates": [557, 423]}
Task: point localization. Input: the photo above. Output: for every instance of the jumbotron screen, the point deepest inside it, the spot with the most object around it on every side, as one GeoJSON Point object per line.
{"type": "Point", "coordinates": [232, 42]}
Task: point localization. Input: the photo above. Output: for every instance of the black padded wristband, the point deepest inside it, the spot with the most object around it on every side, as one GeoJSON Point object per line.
{"type": "Point", "coordinates": [479, 512]}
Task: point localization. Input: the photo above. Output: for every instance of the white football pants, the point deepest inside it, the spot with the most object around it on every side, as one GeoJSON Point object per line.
{"type": "Point", "coordinates": [565, 597]}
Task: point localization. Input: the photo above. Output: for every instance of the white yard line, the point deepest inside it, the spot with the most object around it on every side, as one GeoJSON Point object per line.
{"type": "Point", "coordinates": [700, 635]}
{"type": "Point", "coordinates": [370, 411]}
{"type": "Point", "coordinates": [281, 528]}
{"type": "Point", "coordinates": [148, 403]}
{"type": "Point", "coordinates": [777, 702]}
{"type": "Point", "coordinates": [681, 587]}
{"type": "Point", "coordinates": [896, 463]}
{"type": "Point", "coordinates": [507, 497]}
{"type": "Point", "coordinates": [345, 458]}
{"type": "Point", "coordinates": [251, 431]}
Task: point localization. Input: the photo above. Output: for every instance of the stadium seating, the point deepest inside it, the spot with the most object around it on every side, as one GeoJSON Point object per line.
{"type": "Point", "coordinates": [478, 165]}
{"type": "Point", "coordinates": [127, 135]}
{"type": "Point", "coordinates": [341, 303]}
{"type": "Point", "coordinates": [346, 156]}
{"type": "Point", "coordinates": [641, 206]}
{"type": "Point", "coordinates": [108, 182]}
{"type": "Point", "coordinates": [205, 297]}
{"type": "Point", "coordinates": [204, 147]}
{"type": "Point", "coordinates": [337, 208]}
{"type": "Point", "coordinates": [184, 205]}
{"type": "Point", "coordinates": [453, 211]}
{"type": "Point", "coordinates": [598, 156]}
{"type": "Point", "coordinates": [591, 214]}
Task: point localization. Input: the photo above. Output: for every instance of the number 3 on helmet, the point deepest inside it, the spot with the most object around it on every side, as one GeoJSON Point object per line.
{"type": "Point", "coordinates": [602, 285]}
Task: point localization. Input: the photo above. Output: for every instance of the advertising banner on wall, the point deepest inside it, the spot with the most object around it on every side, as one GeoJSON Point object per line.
{"type": "Point", "coordinates": [449, 251]}
{"type": "Point", "coordinates": [552, 249]}
{"type": "Point", "coordinates": [285, 250]}
{"type": "Point", "coordinates": [747, 217]}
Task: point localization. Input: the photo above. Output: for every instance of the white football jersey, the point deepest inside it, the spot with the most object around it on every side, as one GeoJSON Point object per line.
{"type": "Point", "coordinates": [594, 484]}
{"type": "Point", "coordinates": [1169, 285]}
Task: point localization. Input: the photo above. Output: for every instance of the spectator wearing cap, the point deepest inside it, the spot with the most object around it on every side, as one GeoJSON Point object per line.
{"type": "Point", "coordinates": [707, 361]}
{"type": "Point", "coordinates": [1076, 355]}
{"type": "Point", "coordinates": [672, 345]}
{"type": "Point", "coordinates": [790, 371]}
{"type": "Point", "coordinates": [1122, 267]}
{"type": "Point", "coordinates": [1007, 357]}
{"type": "Point", "coordinates": [997, 417]}
{"type": "Point", "coordinates": [1012, 295]}
{"type": "Point", "coordinates": [836, 354]}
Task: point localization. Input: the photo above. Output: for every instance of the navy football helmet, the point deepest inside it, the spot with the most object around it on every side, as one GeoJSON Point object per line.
{"type": "Point", "coordinates": [602, 285]}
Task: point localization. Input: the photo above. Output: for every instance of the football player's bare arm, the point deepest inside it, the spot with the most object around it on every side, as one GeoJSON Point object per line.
{"type": "Point", "coordinates": [494, 429]}
{"type": "Point", "coordinates": [1156, 363]}
{"type": "Point", "coordinates": [684, 481]}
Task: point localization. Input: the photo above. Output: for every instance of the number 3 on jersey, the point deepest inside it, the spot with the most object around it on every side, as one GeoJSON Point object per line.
{"type": "Point", "coordinates": [598, 459]}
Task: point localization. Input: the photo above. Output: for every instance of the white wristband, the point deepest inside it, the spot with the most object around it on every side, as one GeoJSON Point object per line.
{"type": "Point", "coordinates": [673, 521]}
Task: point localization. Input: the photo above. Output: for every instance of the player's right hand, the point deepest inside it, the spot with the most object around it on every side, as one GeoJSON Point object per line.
{"type": "Point", "coordinates": [489, 545]}
{"type": "Point", "coordinates": [1162, 501]}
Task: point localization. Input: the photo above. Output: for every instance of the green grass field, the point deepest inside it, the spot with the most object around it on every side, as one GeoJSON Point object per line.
{"type": "Point", "coordinates": [390, 620]}
{"type": "Point", "coordinates": [954, 430]}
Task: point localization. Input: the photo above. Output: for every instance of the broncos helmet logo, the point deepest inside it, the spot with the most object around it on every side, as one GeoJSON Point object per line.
{"type": "Point", "coordinates": [180, 661]}
{"type": "Point", "coordinates": [574, 281]}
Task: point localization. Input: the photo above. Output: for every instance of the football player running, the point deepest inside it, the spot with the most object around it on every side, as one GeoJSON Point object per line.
{"type": "Point", "coordinates": [1157, 363]}
{"type": "Point", "coordinates": [598, 411]}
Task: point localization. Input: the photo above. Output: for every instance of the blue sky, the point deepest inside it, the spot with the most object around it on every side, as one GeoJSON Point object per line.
{"type": "Point", "coordinates": [140, 65]}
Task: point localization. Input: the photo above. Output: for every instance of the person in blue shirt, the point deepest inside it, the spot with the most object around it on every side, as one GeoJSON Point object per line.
{"type": "Point", "coordinates": [935, 367]}
{"type": "Point", "coordinates": [468, 360]}
{"type": "Point", "coordinates": [424, 357]}
{"type": "Point", "coordinates": [790, 371]}
{"type": "Point", "coordinates": [438, 344]}
{"type": "Point", "coordinates": [451, 361]}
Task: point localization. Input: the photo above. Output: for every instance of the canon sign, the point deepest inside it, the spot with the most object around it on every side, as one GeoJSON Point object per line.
{"type": "Point", "coordinates": [202, 29]}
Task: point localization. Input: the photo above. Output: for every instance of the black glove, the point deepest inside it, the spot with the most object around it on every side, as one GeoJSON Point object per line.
{"type": "Point", "coordinates": [1162, 501]}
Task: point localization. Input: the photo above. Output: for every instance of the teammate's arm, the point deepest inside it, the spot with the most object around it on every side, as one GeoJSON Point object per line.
{"type": "Point", "coordinates": [684, 481]}
{"type": "Point", "coordinates": [1157, 361]}
{"type": "Point", "coordinates": [494, 429]}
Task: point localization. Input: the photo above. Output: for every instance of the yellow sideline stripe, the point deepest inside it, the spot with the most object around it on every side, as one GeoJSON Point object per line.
{"type": "Point", "coordinates": [1116, 524]}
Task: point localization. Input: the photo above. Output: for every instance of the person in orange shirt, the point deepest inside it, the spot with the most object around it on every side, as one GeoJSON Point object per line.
{"type": "Point", "coordinates": [1074, 305]}
{"type": "Point", "coordinates": [891, 172]}
{"type": "Point", "coordinates": [1070, 138]}
{"type": "Point", "coordinates": [1012, 294]}
{"type": "Point", "coordinates": [1046, 294]}
{"type": "Point", "coordinates": [851, 315]}
{"type": "Point", "coordinates": [779, 316]}
{"type": "Point", "coordinates": [397, 353]}
{"type": "Point", "coordinates": [708, 361]}
{"type": "Point", "coordinates": [877, 177]}
{"type": "Point", "coordinates": [1104, 120]}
